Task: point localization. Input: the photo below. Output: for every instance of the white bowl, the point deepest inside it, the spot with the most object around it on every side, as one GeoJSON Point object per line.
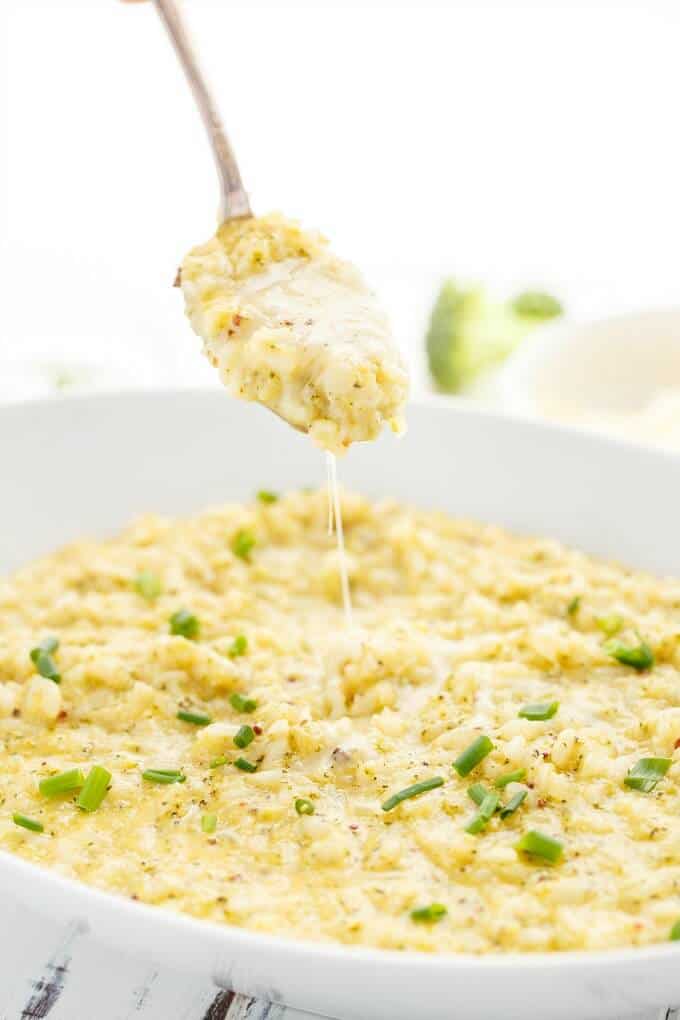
{"type": "Point", "coordinates": [85, 465]}
{"type": "Point", "coordinates": [604, 369]}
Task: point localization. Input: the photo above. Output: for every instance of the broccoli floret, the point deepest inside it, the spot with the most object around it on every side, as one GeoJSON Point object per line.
{"type": "Point", "coordinates": [470, 333]}
{"type": "Point", "coordinates": [534, 304]}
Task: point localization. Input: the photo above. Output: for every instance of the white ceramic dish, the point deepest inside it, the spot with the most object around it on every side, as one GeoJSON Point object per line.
{"type": "Point", "coordinates": [85, 465]}
{"type": "Point", "coordinates": [612, 366]}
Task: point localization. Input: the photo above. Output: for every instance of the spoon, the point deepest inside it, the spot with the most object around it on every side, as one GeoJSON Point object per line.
{"type": "Point", "coordinates": [234, 202]}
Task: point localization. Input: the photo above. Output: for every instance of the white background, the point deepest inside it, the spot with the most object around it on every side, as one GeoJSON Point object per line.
{"type": "Point", "coordinates": [511, 142]}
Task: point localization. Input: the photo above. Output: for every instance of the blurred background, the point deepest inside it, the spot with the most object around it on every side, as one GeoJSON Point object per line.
{"type": "Point", "coordinates": [517, 144]}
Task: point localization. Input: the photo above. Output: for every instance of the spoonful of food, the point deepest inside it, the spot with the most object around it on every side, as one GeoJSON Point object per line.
{"type": "Point", "coordinates": [285, 321]}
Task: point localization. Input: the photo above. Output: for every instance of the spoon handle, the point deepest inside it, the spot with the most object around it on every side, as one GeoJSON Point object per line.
{"type": "Point", "coordinates": [234, 200]}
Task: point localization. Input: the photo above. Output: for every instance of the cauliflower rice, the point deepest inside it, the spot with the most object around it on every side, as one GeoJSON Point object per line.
{"type": "Point", "coordinates": [457, 626]}
{"type": "Point", "coordinates": [290, 325]}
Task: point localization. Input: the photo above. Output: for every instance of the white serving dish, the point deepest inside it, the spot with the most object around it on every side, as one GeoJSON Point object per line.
{"type": "Point", "coordinates": [602, 369]}
{"type": "Point", "coordinates": [85, 465]}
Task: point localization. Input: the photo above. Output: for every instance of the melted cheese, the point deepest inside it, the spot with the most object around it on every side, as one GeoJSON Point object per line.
{"type": "Point", "coordinates": [288, 324]}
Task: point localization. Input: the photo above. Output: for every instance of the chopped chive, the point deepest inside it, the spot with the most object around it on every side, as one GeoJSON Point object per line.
{"type": "Point", "coordinates": [675, 932]}
{"type": "Point", "coordinates": [610, 625]}
{"type": "Point", "coordinates": [537, 844]}
{"type": "Point", "coordinates": [515, 801]}
{"type": "Point", "coordinates": [412, 791]}
{"type": "Point", "coordinates": [147, 585]}
{"type": "Point", "coordinates": [27, 823]}
{"type": "Point", "coordinates": [41, 657]}
{"type": "Point", "coordinates": [209, 823]}
{"type": "Point", "coordinates": [486, 811]}
{"type": "Point", "coordinates": [244, 765]}
{"type": "Point", "coordinates": [94, 789]}
{"type": "Point", "coordinates": [244, 736]}
{"type": "Point", "coordinates": [242, 544]}
{"type": "Point", "coordinates": [472, 755]}
{"type": "Point", "coordinates": [573, 605]}
{"type": "Point", "coordinates": [220, 760]}
{"type": "Point", "coordinates": [646, 773]}
{"type": "Point", "coordinates": [63, 782]}
{"type": "Point", "coordinates": [195, 718]}
{"type": "Point", "coordinates": [44, 664]}
{"type": "Point", "coordinates": [185, 624]}
{"type": "Point", "coordinates": [241, 703]}
{"type": "Point", "coordinates": [304, 806]}
{"type": "Point", "coordinates": [163, 776]}
{"type": "Point", "coordinates": [430, 914]}
{"type": "Point", "coordinates": [510, 777]}
{"type": "Point", "coordinates": [239, 646]}
{"type": "Point", "coordinates": [477, 792]}
{"type": "Point", "coordinates": [266, 496]}
{"type": "Point", "coordinates": [639, 656]}
{"type": "Point", "coordinates": [539, 712]}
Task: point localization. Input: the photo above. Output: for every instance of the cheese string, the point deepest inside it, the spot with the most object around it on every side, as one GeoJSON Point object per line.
{"type": "Point", "coordinates": [335, 513]}
{"type": "Point", "coordinates": [330, 460]}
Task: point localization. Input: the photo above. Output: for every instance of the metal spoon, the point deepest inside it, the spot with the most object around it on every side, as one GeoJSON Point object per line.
{"type": "Point", "coordinates": [234, 202]}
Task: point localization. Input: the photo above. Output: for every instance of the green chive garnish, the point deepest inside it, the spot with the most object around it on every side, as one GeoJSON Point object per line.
{"type": "Point", "coordinates": [163, 776]}
{"type": "Point", "coordinates": [515, 801]}
{"type": "Point", "coordinates": [216, 762]}
{"type": "Point", "coordinates": [472, 755]}
{"type": "Point", "coordinates": [510, 777]}
{"type": "Point", "coordinates": [185, 624]}
{"type": "Point", "coordinates": [41, 657]}
{"type": "Point", "coordinates": [429, 915]}
{"type": "Point", "coordinates": [63, 782]}
{"type": "Point", "coordinates": [486, 811]}
{"type": "Point", "coordinates": [244, 736]}
{"type": "Point", "coordinates": [27, 823]}
{"type": "Point", "coordinates": [195, 718]}
{"type": "Point", "coordinates": [477, 792]}
{"type": "Point", "coordinates": [95, 788]}
{"type": "Point", "coordinates": [646, 773]}
{"type": "Point", "coordinates": [265, 496]}
{"type": "Point", "coordinates": [412, 791]}
{"type": "Point", "coordinates": [640, 656]}
{"type": "Point", "coordinates": [675, 932]}
{"type": "Point", "coordinates": [304, 806]}
{"type": "Point", "coordinates": [537, 844]}
{"type": "Point", "coordinates": [242, 704]}
{"type": "Point", "coordinates": [239, 646]}
{"type": "Point", "coordinates": [209, 823]}
{"type": "Point", "coordinates": [573, 605]}
{"type": "Point", "coordinates": [147, 585]}
{"type": "Point", "coordinates": [244, 765]}
{"type": "Point", "coordinates": [610, 625]}
{"type": "Point", "coordinates": [539, 712]}
{"type": "Point", "coordinates": [242, 544]}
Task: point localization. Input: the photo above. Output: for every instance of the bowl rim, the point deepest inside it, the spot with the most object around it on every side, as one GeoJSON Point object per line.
{"type": "Point", "coordinates": [130, 912]}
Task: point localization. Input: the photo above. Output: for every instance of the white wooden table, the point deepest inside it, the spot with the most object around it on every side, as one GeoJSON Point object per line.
{"type": "Point", "coordinates": [62, 973]}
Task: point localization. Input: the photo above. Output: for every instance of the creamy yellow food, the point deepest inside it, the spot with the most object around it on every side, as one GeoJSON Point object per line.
{"type": "Point", "coordinates": [457, 627]}
{"type": "Point", "coordinates": [290, 325]}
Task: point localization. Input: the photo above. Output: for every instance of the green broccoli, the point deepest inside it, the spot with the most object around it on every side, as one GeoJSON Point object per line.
{"type": "Point", "coordinates": [470, 333]}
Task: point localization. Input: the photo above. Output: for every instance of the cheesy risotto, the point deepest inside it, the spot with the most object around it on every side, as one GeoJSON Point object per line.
{"type": "Point", "coordinates": [486, 761]}
{"type": "Point", "coordinates": [290, 325]}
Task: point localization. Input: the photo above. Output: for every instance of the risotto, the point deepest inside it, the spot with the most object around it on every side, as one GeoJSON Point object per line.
{"type": "Point", "coordinates": [290, 325]}
{"type": "Point", "coordinates": [486, 761]}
